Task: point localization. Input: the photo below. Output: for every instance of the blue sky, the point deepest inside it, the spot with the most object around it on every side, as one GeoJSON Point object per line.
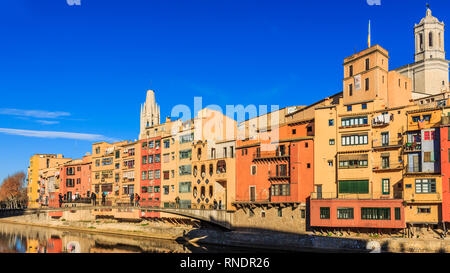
{"type": "Point", "coordinates": [84, 70]}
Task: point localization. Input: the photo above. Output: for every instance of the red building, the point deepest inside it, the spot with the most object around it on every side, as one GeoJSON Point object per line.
{"type": "Point", "coordinates": [75, 179]}
{"type": "Point", "coordinates": [151, 174]}
{"type": "Point", "coordinates": [445, 168]}
{"type": "Point", "coordinates": [276, 170]}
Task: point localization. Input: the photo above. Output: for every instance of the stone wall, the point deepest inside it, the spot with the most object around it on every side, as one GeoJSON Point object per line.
{"type": "Point", "coordinates": [263, 218]}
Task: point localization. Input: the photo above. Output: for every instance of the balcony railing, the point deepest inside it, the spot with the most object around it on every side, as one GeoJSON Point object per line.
{"type": "Point", "coordinates": [413, 169]}
{"type": "Point", "coordinates": [389, 143]}
{"type": "Point", "coordinates": [270, 154]}
{"type": "Point", "coordinates": [382, 120]}
{"type": "Point", "coordinates": [413, 147]}
{"type": "Point", "coordinates": [387, 167]}
{"type": "Point", "coordinates": [357, 196]}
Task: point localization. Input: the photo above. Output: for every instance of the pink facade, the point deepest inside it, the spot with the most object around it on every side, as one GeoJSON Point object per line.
{"type": "Point", "coordinates": [150, 174]}
{"type": "Point", "coordinates": [75, 180]}
{"type": "Point", "coordinates": [363, 213]}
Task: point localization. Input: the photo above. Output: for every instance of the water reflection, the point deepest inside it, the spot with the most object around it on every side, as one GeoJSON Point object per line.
{"type": "Point", "coordinates": [16, 238]}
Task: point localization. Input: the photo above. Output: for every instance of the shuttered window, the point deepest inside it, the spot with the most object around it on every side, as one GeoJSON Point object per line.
{"type": "Point", "coordinates": [354, 186]}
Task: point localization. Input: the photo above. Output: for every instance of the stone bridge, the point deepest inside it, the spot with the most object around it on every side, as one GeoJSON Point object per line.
{"type": "Point", "coordinates": [223, 218]}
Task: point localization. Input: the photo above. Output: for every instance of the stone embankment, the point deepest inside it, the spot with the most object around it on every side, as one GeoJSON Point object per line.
{"type": "Point", "coordinates": [261, 240]}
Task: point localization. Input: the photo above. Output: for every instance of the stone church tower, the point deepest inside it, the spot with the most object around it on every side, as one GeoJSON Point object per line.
{"type": "Point", "coordinates": [149, 113]}
{"type": "Point", "coordinates": [429, 72]}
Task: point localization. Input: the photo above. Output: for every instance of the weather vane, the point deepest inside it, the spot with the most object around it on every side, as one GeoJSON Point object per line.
{"type": "Point", "coordinates": [428, 5]}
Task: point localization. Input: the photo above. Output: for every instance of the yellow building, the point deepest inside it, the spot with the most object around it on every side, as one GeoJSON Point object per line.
{"type": "Point", "coordinates": [358, 154]}
{"type": "Point", "coordinates": [40, 162]}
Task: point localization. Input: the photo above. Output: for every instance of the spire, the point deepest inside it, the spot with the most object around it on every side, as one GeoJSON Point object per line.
{"type": "Point", "coordinates": [368, 37]}
{"type": "Point", "coordinates": [428, 10]}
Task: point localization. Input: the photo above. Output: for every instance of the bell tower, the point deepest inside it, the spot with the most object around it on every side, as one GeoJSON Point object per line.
{"type": "Point", "coordinates": [429, 38]}
{"type": "Point", "coordinates": [149, 113]}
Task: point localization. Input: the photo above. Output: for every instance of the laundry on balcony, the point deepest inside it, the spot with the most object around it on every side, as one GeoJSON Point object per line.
{"type": "Point", "coordinates": [383, 119]}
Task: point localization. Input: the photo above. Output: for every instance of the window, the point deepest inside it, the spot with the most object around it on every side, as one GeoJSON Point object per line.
{"type": "Point", "coordinates": [294, 131]}
{"type": "Point", "coordinates": [427, 157]}
{"type": "Point", "coordinates": [349, 108]}
{"type": "Point", "coordinates": [397, 214]}
{"type": "Point", "coordinates": [331, 141]}
{"type": "Point", "coordinates": [157, 144]}
{"type": "Point", "coordinates": [166, 143]}
{"type": "Point", "coordinates": [324, 213]}
{"type": "Point", "coordinates": [354, 140]}
{"type": "Point", "coordinates": [362, 163]}
{"type": "Point", "coordinates": [376, 213]}
{"type": "Point", "coordinates": [253, 169]}
{"type": "Point", "coordinates": [144, 145]}
{"type": "Point", "coordinates": [350, 90]}
{"type": "Point", "coordinates": [150, 159]}
{"type": "Point", "coordinates": [157, 158]}
{"type": "Point", "coordinates": [385, 138]}
{"type": "Point", "coordinates": [353, 121]}
{"type": "Point", "coordinates": [97, 150]}
{"type": "Point", "coordinates": [166, 175]}
{"type": "Point", "coordinates": [185, 170]}
{"type": "Point", "coordinates": [385, 162]}
{"type": "Point", "coordinates": [331, 122]}
{"type": "Point", "coordinates": [151, 144]}
{"type": "Point", "coordinates": [364, 106]}
{"type": "Point", "coordinates": [423, 210]}
{"type": "Point", "coordinates": [144, 159]}
{"type": "Point", "coordinates": [308, 165]}
{"type": "Point", "coordinates": [350, 70]}
{"type": "Point", "coordinates": [150, 175]}
{"type": "Point", "coordinates": [186, 154]}
{"type": "Point", "coordinates": [185, 187]}
{"type": "Point", "coordinates": [280, 212]}
{"type": "Point", "coordinates": [157, 174]}
{"type": "Point", "coordinates": [107, 161]}
{"type": "Point", "coordinates": [345, 213]}
{"type": "Point", "coordinates": [280, 190]}
{"type": "Point", "coordinates": [425, 185]}
{"type": "Point", "coordinates": [430, 38]}
{"type": "Point", "coordinates": [330, 163]}
{"type": "Point", "coordinates": [306, 144]}
{"type": "Point", "coordinates": [367, 84]}
{"type": "Point", "coordinates": [144, 175]}
{"type": "Point", "coordinates": [367, 64]}
{"type": "Point", "coordinates": [354, 186]}
{"type": "Point", "coordinates": [385, 186]}
{"type": "Point", "coordinates": [415, 118]}
{"type": "Point", "coordinates": [166, 190]}
{"type": "Point", "coordinates": [187, 138]}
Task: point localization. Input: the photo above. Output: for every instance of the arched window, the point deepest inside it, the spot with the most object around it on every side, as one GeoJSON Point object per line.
{"type": "Point", "coordinates": [421, 41]}
{"type": "Point", "coordinates": [211, 191]}
{"type": "Point", "coordinates": [194, 192]}
{"type": "Point", "coordinates": [430, 39]}
{"type": "Point", "coordinates": [202, 192]}
{"type": "Point", "coordinates": [203, 172]}
{"type": "Point", "coordinates": [195, 171]}
{"type": "Point", "coordinates": [211, 171]}
{"type": "Point", "coordinates": [221, 166]}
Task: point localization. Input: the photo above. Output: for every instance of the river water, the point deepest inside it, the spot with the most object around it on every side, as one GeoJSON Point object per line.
{"type": "Point", "coordinates": [17, 238]}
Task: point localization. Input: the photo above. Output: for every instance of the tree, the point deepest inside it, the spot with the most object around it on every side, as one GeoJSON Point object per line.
{"type": "Point", "coordinates": [13, 192]}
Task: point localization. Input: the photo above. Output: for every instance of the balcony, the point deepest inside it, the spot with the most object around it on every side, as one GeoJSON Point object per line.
{"type": "Point", "coordinates": [445, 120]}
{"type": "Point", "coordinates": [411, 147]}
{"type": "Point", "coordinates": [398, 166]}
{"type": "Point", "coordinates": [279, 176]}
{"type": "Point", "coordinates": [271, 155]}
{"type": "Point", "coordinates": [382, 120]}
{"type": "Point", "coordinates": [378, 144]}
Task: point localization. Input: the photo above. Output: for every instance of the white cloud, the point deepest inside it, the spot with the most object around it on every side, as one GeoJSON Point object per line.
{"type": "Point", "coordinates": [53, 134]}
{"type": "Point", "coordinates": [33, 113]}
{"type": "Point", "coordinates": [47, 122]}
